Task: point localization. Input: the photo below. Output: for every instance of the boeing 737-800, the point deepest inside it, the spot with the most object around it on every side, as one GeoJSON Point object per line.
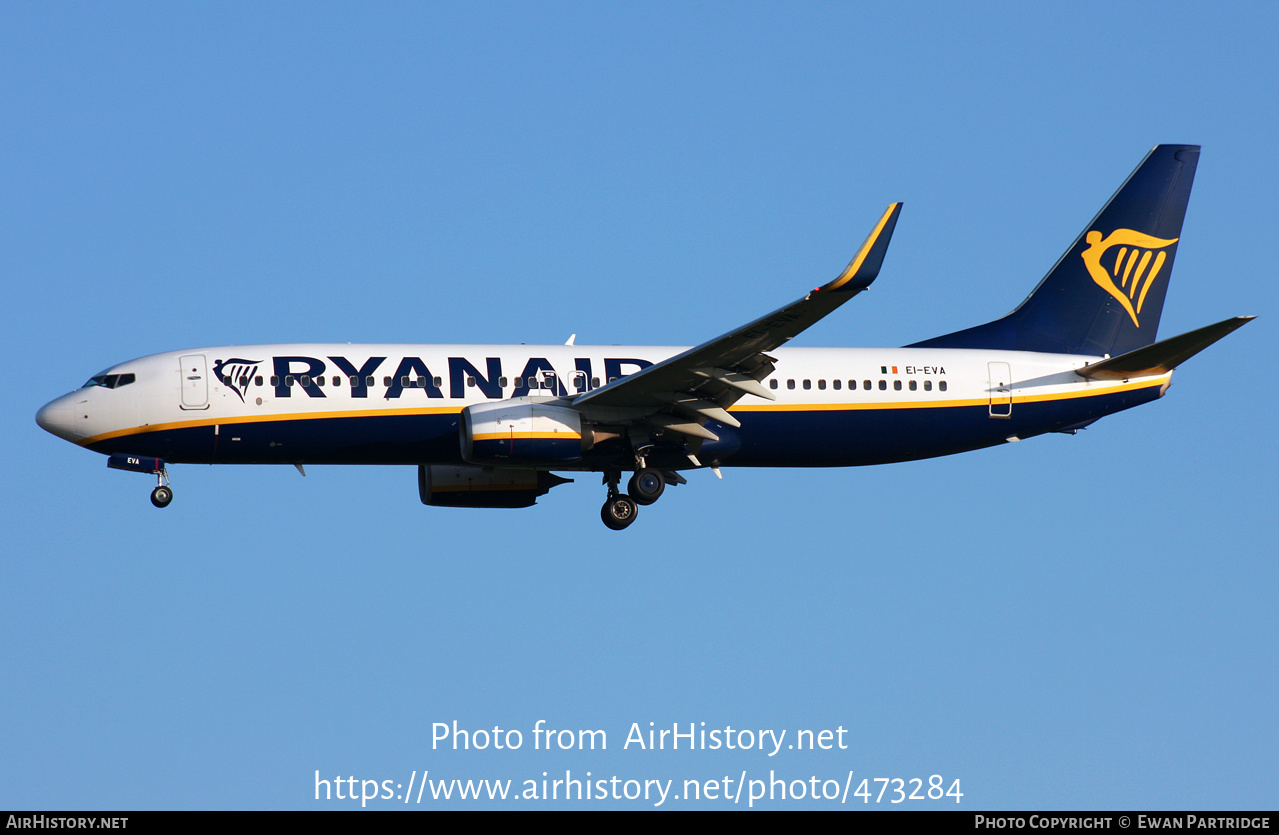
{"type": "Point", "coordinates": [487, 425]}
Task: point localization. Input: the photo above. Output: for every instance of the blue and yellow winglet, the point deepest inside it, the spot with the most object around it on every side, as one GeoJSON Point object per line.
{"type": "Point", "coordinates": [861, 271]}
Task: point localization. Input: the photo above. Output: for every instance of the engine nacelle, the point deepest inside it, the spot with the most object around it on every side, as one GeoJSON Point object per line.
{"type": "Point", "coordinates": [443, 486]}
{"type": "Point", "coordinates": [519, 432]}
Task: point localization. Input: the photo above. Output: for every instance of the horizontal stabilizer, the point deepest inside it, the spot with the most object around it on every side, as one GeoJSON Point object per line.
{"type": "Point", "coordinates": [1162, 356]}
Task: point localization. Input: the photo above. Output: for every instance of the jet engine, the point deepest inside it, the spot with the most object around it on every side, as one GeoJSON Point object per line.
{"type": "Point", "coordinates": [444, 486]}
{"type": "Point", "coordinates": [519, 432]}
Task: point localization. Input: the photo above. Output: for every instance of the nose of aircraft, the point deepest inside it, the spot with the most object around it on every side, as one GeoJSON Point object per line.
{"type": "Point", "coordinates": [58, 417]}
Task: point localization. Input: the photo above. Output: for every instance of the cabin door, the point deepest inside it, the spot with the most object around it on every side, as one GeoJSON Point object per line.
{"type": "Point", "coordinates": [195, 382]}
{"type": "Point", "coordinates": [1001, 391]}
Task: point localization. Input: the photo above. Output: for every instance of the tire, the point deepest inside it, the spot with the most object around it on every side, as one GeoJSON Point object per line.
{"type": "Point", "coordinates": [646, 486]}
{"type": "Point", "coordinates": [161, 496]}
{"type": "Point", "coordinates": [619, 512]}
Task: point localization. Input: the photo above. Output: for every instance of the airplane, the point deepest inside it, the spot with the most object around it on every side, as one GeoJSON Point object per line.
{"type": "Point", "coordinates": [488, 425]}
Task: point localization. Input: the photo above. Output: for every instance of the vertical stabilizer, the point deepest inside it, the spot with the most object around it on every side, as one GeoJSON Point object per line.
{"type": "Point", "coordinates": [1106, 293]}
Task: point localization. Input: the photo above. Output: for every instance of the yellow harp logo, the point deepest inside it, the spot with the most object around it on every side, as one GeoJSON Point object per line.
{"type": "Point", "coordinates": [1129, 276]}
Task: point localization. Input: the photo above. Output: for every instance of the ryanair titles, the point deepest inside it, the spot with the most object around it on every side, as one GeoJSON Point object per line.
{"type": "Point", "coordinates": [389, 378]}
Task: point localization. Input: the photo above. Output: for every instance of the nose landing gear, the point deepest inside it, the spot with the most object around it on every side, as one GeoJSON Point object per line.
{"type": "Point", "coordinates": [163, 493]}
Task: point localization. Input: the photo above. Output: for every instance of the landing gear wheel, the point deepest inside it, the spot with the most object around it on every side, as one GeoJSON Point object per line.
{"type": "Point", "coordinates": [646, 486]}
{"type": "Point", "coordinates": [619, 512]}
{"type": "Point", "coordinates": [161, 496]}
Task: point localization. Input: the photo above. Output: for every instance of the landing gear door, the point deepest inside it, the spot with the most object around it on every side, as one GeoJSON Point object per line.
{"type": "Point", "coordinates": [1001, 391]}
{"type": "Point", "coordinates": [195, 382]}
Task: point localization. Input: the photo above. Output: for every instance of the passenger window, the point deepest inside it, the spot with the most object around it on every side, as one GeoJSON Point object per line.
{"type": "Point", "coordinates": [595, 382]}
{"type": "Point", "coordinates": [501, 382]}
{"type": "Point", "coordinates": [470, 382]}
{"type": "Point", "coordinates": [355, 381]}
{"type": "Point", "coordinates": [790, 384]}
{"type": "Point", "coordinates": [438, 381]}
{"type": "Point", "coordinates": [865, 385]}
{"type": "Point", "coordinates": [772, 384]}
{"type": "Point", "coordinates": [319, 381]}
{"type": "Point", "coordinates": [275, 381]}
{"type": "Point", "coordinates": [835, 383]}
{"type": "Point", "coordinates": [941, 386]}
{"type": "Point", "coordinates": [897, 385]}
{"type": "Point", "coordinates": [337, 381]}
{"type": "Point", "coordinates": [370, 381]}
{"type": "Point", "coordinates": [288, 380]}
{"type": "Point", "coordinates": [913, 385]}
{"type": "Point", "coordinates": [808, 384]}
{"type": "Point", "coordinates": [928, 385]}
{"type": "Point", "coordinates": [257, 381]}
{"type": "Point", "coordinates": [883, 385]}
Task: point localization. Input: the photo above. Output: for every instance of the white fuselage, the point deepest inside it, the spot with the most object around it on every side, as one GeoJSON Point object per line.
{"type": "Point", "coordinates": [267, 403]}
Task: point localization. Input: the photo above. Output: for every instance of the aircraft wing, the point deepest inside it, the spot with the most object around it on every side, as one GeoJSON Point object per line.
{"type": "Point", "coordinates": [680, 393]}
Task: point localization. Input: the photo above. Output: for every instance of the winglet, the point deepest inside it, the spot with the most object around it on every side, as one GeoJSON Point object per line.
{"type": "Point", "coordinates": [861, 271]}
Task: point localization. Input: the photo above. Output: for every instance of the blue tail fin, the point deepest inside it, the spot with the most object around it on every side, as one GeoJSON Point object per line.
{"type": "Point", "coordinates": [1105, 295]}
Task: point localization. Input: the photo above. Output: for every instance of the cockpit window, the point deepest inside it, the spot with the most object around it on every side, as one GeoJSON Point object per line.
{"type": "Point", "coordinates": [110, 381]}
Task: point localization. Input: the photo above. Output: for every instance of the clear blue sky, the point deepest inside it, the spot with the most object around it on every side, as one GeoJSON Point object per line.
{"type": "Point", "coordinates": [1070, 622]}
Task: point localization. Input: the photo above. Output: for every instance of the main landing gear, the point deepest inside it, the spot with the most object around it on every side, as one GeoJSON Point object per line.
{"type": "Point", "coordinates": [620, 509]}
{"type": "Point", "coordinates": [646, 486]}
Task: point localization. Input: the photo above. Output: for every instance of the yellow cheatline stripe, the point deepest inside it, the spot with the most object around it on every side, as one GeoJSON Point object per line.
{"type": "Point", "coordinates": [867, 245]}
{"type": "Point", "coordinates": [524, 436]}
{"type": "Point", "coordinates": [235, 420]}
{"type": "Point", "coordinates": [944, 404]}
